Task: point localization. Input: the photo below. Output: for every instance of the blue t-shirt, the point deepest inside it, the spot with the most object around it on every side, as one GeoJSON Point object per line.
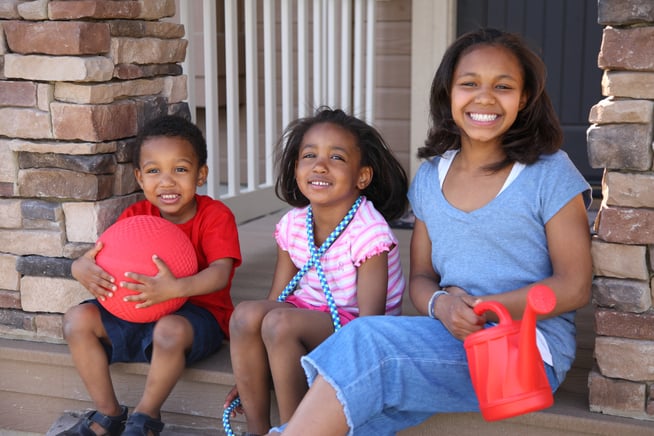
{"type": "Point", "coordinates": [502, 246]}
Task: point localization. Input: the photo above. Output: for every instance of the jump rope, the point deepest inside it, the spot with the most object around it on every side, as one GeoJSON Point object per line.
{"type": "Point", "coordinates": [314, 261]}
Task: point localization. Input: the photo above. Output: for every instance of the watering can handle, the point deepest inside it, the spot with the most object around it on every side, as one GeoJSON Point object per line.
{"type": "Point", "coordinates": [494, 306]}
{"type": "Point", "coordinates": [540, 300]}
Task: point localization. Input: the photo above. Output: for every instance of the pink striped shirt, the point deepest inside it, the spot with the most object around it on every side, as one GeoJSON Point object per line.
{"type": "Point", "coordinates": [367, 235]}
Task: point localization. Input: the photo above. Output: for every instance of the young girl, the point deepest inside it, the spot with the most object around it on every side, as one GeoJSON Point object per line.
{"type": "Point", "coordinates": [498, 209]}
{"type": "Point", "coordinates": [170, 159]}
{"type": "Point", "coordinates": [332, 167]}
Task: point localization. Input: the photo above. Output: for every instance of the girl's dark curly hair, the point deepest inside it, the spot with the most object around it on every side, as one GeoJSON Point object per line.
{"type": "Point", "coordinates": [389, 184]}
{"type": "Point", "coordinates": [536, 129]}
{"type": "Point", "coordinates": [171, 126]}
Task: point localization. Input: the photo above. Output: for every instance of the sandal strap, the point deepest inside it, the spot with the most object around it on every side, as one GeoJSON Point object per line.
{"type": "Point", "coordinates": [113, 424]}
{"type": "Point", "coordinates": [143, 422]}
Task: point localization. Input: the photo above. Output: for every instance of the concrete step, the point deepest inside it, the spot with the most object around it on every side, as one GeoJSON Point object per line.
{"type": "Point", "coordinates": [39, 385]}
{"type": "Point", "coordinates": [568, 416]}
{"type": "Point", "coordinates": [40, 393]}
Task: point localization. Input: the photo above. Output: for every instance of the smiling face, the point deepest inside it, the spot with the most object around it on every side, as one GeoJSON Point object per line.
{"type": "Point", "coordinates": [487, 93]}
{"type": "Point", "coordinates": [328, 170]}
{"type": "Point", "coordinates": [169, 173]}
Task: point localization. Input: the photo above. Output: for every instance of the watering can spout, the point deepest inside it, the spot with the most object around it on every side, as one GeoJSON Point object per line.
{"type": "Point", "coordinates": [540, 300]}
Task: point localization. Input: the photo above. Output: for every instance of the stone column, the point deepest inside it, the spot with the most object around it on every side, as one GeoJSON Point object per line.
{"type": "Point", "coordinates": [620, 141]}
{"type": "Point", "coordinates": [77, 81]}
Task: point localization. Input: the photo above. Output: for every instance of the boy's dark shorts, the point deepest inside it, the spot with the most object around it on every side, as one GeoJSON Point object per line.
{"type": "Point", "coordinates": [132, 342]}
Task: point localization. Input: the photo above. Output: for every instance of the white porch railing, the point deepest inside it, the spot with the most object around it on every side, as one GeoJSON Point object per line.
{"type": "Point", "coordinates": [292, 56]}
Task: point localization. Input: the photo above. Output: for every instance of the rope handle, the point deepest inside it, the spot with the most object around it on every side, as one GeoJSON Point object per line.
{"type": "Point", "coordinates": [227, 413]}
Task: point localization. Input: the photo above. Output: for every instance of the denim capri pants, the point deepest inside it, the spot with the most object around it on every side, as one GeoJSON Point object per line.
{"type": "Point", "coordinates": [393, 372]}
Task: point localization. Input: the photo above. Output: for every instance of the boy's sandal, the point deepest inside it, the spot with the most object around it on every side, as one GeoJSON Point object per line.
{"type": "Point", "coordinates": [140, 424]}
{"type": "Point", "coordinates": [114, 425]}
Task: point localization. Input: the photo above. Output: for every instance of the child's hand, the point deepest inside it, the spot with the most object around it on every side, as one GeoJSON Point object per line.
{"type": "Point", "coordinates": [231, 396]}
{"type": "Point", "coordinates": [455, 312]}
{"type": "Point", "coordinates": [96, 280]}
{"type": "Point", "coordinates": [152, 289]}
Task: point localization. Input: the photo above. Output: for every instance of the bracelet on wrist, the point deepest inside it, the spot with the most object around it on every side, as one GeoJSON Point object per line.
{"type": "Point", "coordinates": [432, 302]}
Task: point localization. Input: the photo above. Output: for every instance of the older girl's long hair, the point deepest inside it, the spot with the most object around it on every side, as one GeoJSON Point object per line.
{"type": "Point", "coordinates": [536, 129]}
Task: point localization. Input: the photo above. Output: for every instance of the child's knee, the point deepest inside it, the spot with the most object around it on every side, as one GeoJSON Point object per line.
{"type": "Point", "coordinates": [277, 325]}
{"type": "Point", "coordinates": [80, 317]}
{"type": "Point", "coordinates": [246, 318]}
{"type": "Point", "coordinates": [172, 332]}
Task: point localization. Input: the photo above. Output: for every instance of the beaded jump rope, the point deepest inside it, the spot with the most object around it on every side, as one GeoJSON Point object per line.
{"type": "Point", "coordinates": [314, 261]}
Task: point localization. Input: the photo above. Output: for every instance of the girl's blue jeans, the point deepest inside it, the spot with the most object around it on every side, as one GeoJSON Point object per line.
{"type": "Point", "coordinates": [393, 372]}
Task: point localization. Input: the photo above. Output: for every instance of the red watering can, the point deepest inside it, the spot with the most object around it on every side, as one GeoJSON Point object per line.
{"type": "Point", "coordinates": [505, 365]}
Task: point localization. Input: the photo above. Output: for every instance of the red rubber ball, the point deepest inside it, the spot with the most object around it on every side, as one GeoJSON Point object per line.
{"type": "Point", "coordinates": [128, 245]}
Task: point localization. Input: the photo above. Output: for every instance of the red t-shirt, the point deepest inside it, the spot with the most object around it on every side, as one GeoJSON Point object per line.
{"type": "Point", "coordinates": [214, 235]}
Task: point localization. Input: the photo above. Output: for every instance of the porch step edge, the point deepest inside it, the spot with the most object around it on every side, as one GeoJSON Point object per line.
{"type": "Point", "coordinates": [570, 414]}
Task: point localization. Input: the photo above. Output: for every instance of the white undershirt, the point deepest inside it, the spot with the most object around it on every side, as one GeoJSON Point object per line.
{"type": "Point", "coordinates": [448, 157]}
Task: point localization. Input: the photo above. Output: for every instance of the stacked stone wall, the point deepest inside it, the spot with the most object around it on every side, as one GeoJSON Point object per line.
{"type": "Point", "coordinates": [77, 81]}
{"type": "Point", "coordinates": [620, 141]}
